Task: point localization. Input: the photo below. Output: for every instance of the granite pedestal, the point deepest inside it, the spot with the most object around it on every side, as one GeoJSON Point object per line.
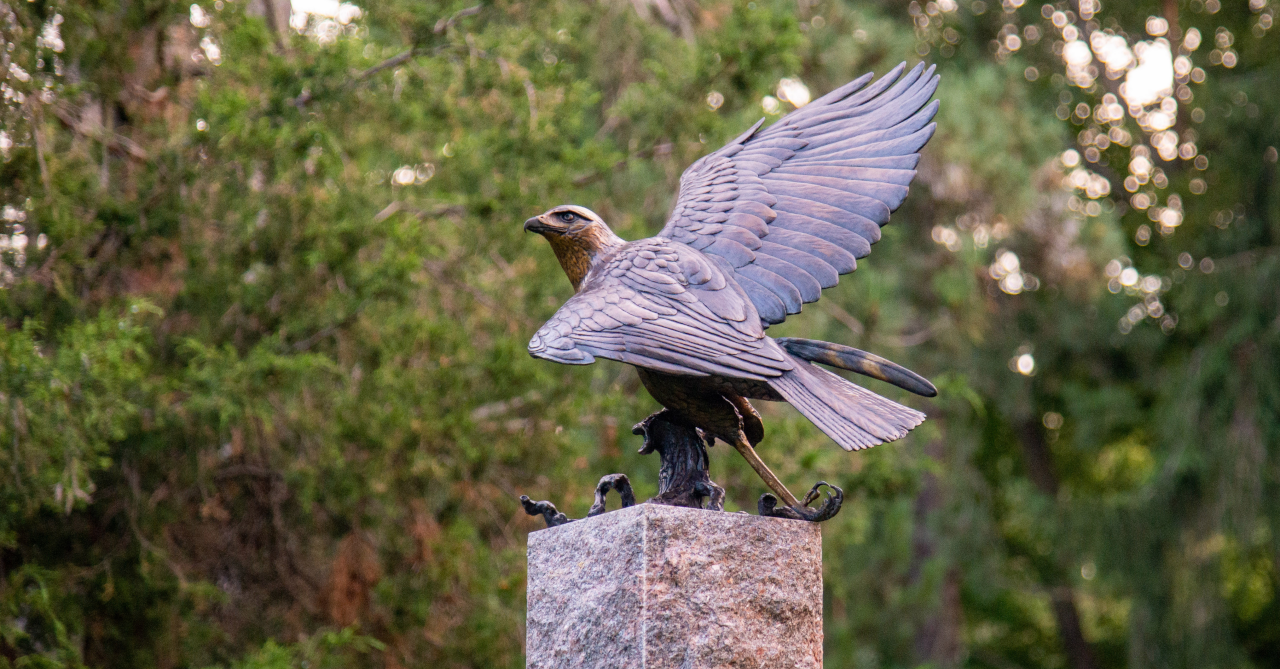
{"type": "Point", "coordinates": [661, 587]}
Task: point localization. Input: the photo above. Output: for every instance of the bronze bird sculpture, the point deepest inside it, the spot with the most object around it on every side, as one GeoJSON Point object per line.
{"type": "Point", "coordinates": [760, 227]}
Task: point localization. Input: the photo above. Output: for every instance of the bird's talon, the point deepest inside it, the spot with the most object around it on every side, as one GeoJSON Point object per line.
{"type": "Point", "coordinates": [618, 482]}
{"type": "Point", "coordinates": [768, 505]}
{"type": "Point", "coordinates": [555, 518]}
{"type": "Point", "coordinates": [547, 510]}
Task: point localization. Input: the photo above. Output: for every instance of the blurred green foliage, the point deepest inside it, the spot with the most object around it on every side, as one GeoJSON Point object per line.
{"type": "Point", "coordinates": [264, 398]}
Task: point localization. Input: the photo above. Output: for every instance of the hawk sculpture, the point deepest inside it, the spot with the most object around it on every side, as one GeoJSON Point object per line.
{"type": "Point", "coordinates": [760, 227]}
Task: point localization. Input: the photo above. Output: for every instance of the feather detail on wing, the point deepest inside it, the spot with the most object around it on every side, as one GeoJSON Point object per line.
{"type": "Point", "coordinates": [788, 209]}
{"type": "Point", "coordinates": [666, 307]}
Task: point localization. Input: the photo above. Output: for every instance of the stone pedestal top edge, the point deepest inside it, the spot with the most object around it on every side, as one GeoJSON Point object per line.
{"type": "Point", "coordinates": [663, 511]}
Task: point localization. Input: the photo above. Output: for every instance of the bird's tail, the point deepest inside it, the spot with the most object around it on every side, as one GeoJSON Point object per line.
{"type": "Point", "coordinates": [854, 360]}
{"type": "Point", "coordinates": [854, 417]}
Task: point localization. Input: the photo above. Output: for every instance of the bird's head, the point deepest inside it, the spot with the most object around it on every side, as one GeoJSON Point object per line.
{"type": "Point", "coordinates": [578, 236]}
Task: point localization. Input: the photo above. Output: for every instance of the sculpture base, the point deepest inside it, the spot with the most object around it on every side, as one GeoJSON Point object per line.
{"type": "Point", "coordinates": [655, 587]}
{"type": "Point", "coordinates": [685, 480]}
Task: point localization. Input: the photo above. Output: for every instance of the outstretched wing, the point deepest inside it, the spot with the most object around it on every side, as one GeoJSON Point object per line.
{"type": "Point", "coordinates": [789, 209]}
{"type": "Point", "coordinates": [665, 307]}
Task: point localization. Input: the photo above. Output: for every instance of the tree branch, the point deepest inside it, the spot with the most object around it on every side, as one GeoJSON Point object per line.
{"type": "Point", "coordinates": [117, 143]}
{"type": "Point", "coordinates": [442, 26]}
{"type": "Point", "coordinates": [390, 62]}
{"type": "Point", "coordinates": [131, 509]}
{"type": "Point", "coordinates": [36, 130]}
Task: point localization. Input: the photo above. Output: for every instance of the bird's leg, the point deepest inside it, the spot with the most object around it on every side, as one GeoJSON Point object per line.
{"type": "Point", "coordinates": [750, 433]}
{"type": "Point", "coordinates": [763, 471]}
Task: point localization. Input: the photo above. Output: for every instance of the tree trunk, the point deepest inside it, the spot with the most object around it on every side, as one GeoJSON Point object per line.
{"type": "Point", "coordinates": [1039, 462]}
{"type": "Point", "coordinates": [684, 479]}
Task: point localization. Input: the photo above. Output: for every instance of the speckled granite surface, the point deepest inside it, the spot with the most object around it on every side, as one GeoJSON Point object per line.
{"type": "Point", "coordinates": [659, 587]}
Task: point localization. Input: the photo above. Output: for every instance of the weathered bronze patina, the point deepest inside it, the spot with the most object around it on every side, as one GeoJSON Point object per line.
{"type": "Point", "coordinates": [760, 227]}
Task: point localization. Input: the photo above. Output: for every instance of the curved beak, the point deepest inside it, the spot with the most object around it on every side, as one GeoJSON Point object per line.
{"type": "Point", "coordinates": [535, 224]}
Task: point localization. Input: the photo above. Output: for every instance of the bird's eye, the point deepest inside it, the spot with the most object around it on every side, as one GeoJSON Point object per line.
{"type": "Point", "coordinates": [567, 216]}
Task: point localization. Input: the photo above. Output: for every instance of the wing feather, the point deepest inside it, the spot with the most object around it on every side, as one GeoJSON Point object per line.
{"type": "Point", "coordinates": [787, 209]}
{"type": "Point", "coordinates": [785, 290]}
{"type": "Point", "coordinates": [852, 221]}
{"type": "Point", "coordinates": [806, 286]}
{"type": "Point", "coordinates": [840, 260]}
{"type": "Point", "coordinates": [887, 194]}
{"type": "Point", "coordinates": [814, 266]}
{"type": "Point", "coordinates": [854, 244]}
{"type": "Point", "coordinates": [766, 302]}
{"type": "Point", "coordinates": [663, 305]}
{"type": "Point", "coordinates": [898, 177]}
